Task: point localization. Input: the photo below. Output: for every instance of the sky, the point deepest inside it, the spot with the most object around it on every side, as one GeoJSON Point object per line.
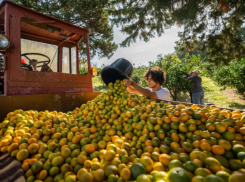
{"type": "Point", "coordinates": [142, 52]}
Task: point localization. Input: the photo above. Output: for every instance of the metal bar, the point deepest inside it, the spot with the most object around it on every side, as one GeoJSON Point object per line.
{"type": "Point", "coordinates": [51, 22]}
{"type": "Point", "coordinates": [68, 39]}
{"type": "Point", "coordinates": [7, 15]}
{"type": "Point", "coordinates": [189, 104]}
{"type": "Point", "coordinates": [60, 102]}
{"type": "Point", "coordinates": [36, 37]}
{"type": "Point", "coordinates": [77, 58]}
{"type": "Point", "coordinates": [70, 60]}
{"type": "Point", "coordinates": [60, 57]}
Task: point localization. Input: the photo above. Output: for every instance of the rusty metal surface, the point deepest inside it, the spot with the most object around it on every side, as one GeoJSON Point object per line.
{"type": "Point", "coordinates": [50, 19]}
{"type": "Point", "coordinates": [58, 102]}
{"type": "Point", "coordinates": [21, 82]}
{"type": "Point", "coordinates": [32, 29]}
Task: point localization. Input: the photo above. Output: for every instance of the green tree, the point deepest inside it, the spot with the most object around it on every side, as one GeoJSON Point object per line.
{"type": "Point", "coordinates": [92, 15]}
{"type": "Point", "coordinates": [83, 67]}
{"type": "Point", "coordinates": [194, 49]}
{"type": "Point", "coordinates": [215, 23]}
{"type": "Point", "coordinates": [137, 75]}
{"type": "Point", "coordinates": [232, 75]}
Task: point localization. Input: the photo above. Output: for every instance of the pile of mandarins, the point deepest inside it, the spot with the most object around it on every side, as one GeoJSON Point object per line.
{"type": "Point", "coordinates": [120, 137]}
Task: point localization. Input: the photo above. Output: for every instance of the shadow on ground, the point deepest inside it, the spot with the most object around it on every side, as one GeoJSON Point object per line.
{"type": "Point", "coordinates": [100, 88]}
{"type": "Point", "coordinates": [236, 105]}
{"type": "Point", "coordinates": [184, 97]}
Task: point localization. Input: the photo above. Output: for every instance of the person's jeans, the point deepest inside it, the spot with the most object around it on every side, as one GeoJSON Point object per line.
{"type": "Point", "coordinates": [198, 97]}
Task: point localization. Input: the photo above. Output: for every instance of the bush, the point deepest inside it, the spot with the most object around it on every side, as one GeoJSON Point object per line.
{"type": "Point", "coordinates": [232, 75]}
{"type": "Point", "coordinates": [137, 76]}
{"type": "Point", "coordinates": [208, 69]}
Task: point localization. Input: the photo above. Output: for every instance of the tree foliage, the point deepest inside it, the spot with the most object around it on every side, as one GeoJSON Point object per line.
{"type": "Point", "coordinates": [138, 74]}
{"type": "Point", "coordinates": [218, 24]}
{"type": "Point", "coordinates": [92, 15]}
{"type": "Point", "coordinates": [232, 75]}
{"type": "Point", "coordinates": [182, 50]}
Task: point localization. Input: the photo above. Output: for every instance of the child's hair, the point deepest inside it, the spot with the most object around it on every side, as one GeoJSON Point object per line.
{"type": "Point", "coordinates": [157, 75]}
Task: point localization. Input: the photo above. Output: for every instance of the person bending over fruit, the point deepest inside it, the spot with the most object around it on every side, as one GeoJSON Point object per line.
{"type": "Point", "coordinates": [155, 78]}
{"type": "Point", "coordinates": [197, 92]}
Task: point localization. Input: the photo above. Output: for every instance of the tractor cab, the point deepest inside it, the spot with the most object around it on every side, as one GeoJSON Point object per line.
{"type": "Point", "coordinates": [44, 61]}
{"type": "Point", "coordinates": [44, 55]}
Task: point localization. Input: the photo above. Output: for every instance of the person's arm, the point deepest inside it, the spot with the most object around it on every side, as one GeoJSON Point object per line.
{"type": "Point", "coordinates": [189, 78]}
{"type": "Point", "coordinates": [139, 89]}
{"type": "Point", "coordinates": [132, 90]}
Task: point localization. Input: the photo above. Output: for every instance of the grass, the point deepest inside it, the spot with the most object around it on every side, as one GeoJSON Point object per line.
{"type": "Point", "coordinates": [213, 94]}
{"type": "Point", "coordinates": [227, 98]}
{"type": "Point", "coordinates": [98, 84]}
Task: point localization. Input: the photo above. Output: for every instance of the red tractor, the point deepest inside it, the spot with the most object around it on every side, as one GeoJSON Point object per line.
{"type": "Point", "coordinates": [44, 62]}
